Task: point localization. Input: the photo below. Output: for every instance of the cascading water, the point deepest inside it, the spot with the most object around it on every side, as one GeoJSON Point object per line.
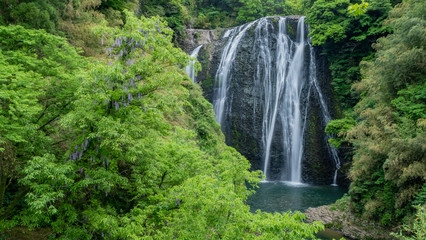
{"type": "Point", "coordinates": [326, 114]}
{"type": "Point", "coordinates": [224, 71]}
{"type": "Point", "coordinates": [282, 73]}
{"type": "Point", "coordinates": [291, 107]}
{"type": "Point", "coordinates": [190, 70]}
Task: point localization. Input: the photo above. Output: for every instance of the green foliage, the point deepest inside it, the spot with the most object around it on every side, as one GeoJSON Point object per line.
{"type": "Point", "coordinates": [339, 128]}
{"type": "Point", "coordinates": [139, 154]}
{"type": "Point", "coordinates": [33, 63]}
{"type": "Point", "coordinates": [328, 21]}
{"type": "Point", "coordinates": [332, 26]}
{"type": "Point", "coordinates": [48, 62]}
{"type": "Point", "coordinates": [146, 158]}
{"type": "Point", "coordinates": [177, 13]}
{"type": "Point", "coordinates": [36, 14]}
{"type": "Point", "coordinates": [213, 17]}
{"type": "Point", "coordinates": [298, 7]}
{"type": "Point", "coordinates": [79, 18]}
{"type": "Point", "coordinates": [37, 84]}
{"type": "Point", "coordinates": [213, 14]}
{"type": "Point", "coordinates": [417, 230]}
{"type": "Point", "coordinates": [46, 181]}
{"type": "Point", "coordinates": [410, 102]}
{"type": "Point", "coordinates": [219, 13]}
{"type": "Point", "coordinates": [421, 197]}
{"type": "Point", "coordinates": [341, 204]}
{"type": "Point", "coordinates": [19, 91]}
{"type": "Point", "coordinates": [113, 4]}
{"type": "Point", "coordinates": [358, 9]}
{"type": "Point", "coordinates": [388, 168]}
{"type": "Point", "coordinates": [251, 10]}
{"type": "Point", "coordinates": [72, 18]}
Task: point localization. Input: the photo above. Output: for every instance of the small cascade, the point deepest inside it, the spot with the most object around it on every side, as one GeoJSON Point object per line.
{"type": "Point", "coordinates": [273, 72]}
{"type": "Point", "coordinates": [325, 113]}
{"type": "Point", "coordinates": [224, 71]}
{"type": "Point", "coordinates": [190, 70]}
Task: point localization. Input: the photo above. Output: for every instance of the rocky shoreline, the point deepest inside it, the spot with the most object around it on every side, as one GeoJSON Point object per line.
{"type": "Point", "coordinates": [343, 220]}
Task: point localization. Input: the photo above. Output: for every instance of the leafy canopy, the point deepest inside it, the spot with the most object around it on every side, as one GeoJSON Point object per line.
{"type": "Point", "coordinates": [358, 9]}
{"type": "Point", "coordinates": [146, 158]}
{"type": "Point", "coordinates": [37, 85]}
{"type": "Point", "coordinates": [388, 167]}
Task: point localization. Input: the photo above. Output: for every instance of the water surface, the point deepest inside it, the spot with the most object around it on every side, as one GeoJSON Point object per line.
{"type": "Point", "coordinates": [284, 196]}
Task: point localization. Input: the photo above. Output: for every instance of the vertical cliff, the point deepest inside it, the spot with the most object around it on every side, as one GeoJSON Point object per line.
{"type": "Point", "coordinates": [252, 75]}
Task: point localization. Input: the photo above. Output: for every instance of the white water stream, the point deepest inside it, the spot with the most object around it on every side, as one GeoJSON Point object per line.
{"type": "Point", "coordinates": [281, 73]}
{"type": "Point", "coordinates": [190, 70]}
{"type": "Point", "coordinates": [224, 71]}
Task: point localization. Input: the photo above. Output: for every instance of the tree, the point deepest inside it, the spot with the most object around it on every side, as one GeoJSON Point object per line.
{"type": "Point", "coordinates": [251, 10]}
{"type": "Point", "coordinates": [37, 86]}
{"type": "Point", "coordinates": [339, 128]}
{"type": "Point", "coordinates": [417, 229]}
{"type": "Point", "coordinates": [36, 14]}
{"type": "Point", "coordinates": [358, 9]}
{"type": "Point", "coordinates": [147, 159]}
{"type": "Point", "coordinates": [331, 25]}
{"type": "Point", "coordinates": [73, 19]}
{"type": "Point", "coordinates": [389, 168]}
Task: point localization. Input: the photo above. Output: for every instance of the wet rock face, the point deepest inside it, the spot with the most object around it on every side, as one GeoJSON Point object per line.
{"type": "Point", "coordinates": [207, 56]}
{"type": "Point", "coordinates": [197, 37]}
{"type": "Point", "coordinates": [317, 159]}
{"type": "Point", "coordinates": [242, 123]}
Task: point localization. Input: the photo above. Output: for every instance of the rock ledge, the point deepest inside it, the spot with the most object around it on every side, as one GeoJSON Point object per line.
{"type": "Point", "coordinates": [351, 226]}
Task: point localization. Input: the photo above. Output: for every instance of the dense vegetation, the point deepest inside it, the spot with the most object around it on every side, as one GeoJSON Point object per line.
{"type": "Point", "coordinates": [123, 146]}
{"type": "Point", "coordinates": [72, 19]}
{"type": "Point", "coordinates": [120, 148]}
{"type": "Point", "coordinates": [389, 168]}
{"type": "Point", "coordinates": [386, 131]}
{"type": "Point", "coordinates": [332, 26]}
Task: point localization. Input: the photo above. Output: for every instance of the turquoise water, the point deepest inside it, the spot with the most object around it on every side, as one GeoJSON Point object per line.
{"type": "Point", "coordinates": [285, 196]}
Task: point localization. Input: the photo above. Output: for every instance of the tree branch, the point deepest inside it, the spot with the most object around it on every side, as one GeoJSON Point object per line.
{"type": "Point", "coordinates": [53, 119]}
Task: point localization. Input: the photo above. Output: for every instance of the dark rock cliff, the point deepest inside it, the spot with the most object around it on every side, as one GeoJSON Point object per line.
{"type": "Point", "coordinates": [243, 124]}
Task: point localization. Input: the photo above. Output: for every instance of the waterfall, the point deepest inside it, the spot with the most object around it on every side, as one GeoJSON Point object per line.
{"type": "Point", "coordinates": [324, 110]}
{"type": "Point", "coordinates": [284, 97]}
{"type": "Point", "coordinates": [264, 62]}
{"type": "Point", "coordinates": [224, 71]}
{"type": "Point", "coordinates": [190, 70]}
{"type": "Point", "coordinates": [291, 109]}
{"type": "Point", "coordinates": [282, 71]}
